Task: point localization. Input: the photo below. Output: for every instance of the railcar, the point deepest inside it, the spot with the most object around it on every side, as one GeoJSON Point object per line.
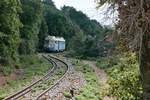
{"type": "Point", "coordinates": [54, 44]}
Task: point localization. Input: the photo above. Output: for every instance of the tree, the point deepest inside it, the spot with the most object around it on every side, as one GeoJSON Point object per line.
{"type": "Point", "coordinates": [90, 27]}
{"type": "Point", "coordinates": [42, 34]}
{"type": "Point", "coordinates": [9, 29]}
{"type": "Point", "coordinates": [76, 45]}
{"type": "Point", "coordinates": [59, 24]}
{"type": "Point", "coordinates": [134, 25]}
{"type": "Point", "coordinates": [92, 32]}
{"type": "Point", "coordinates": [48, 2]}
{"type": "Point", "coordinates": [31, 19]}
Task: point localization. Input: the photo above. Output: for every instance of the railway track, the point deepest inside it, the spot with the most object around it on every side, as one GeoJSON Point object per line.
{"type": "Point", "coordinates": [30, 92]}
{"type": "Point", "coordinates": [44, 94]}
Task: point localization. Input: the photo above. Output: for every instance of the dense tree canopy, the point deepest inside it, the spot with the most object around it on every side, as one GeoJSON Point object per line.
{"type": "Point", "coordinates": [9, 29]}
{"type": "Point", "coordinates": [42, 34]}
{"type": "Point", "coordinates": [58, 24]}
{"type": "Point", "coordinates": [31, 20]}
{"type": "Point", "coordinates": [90, 27]}
{"type": "Point", "coordinates": [40, 19]}
{"type": "Point", "coordinates": [90, 36]}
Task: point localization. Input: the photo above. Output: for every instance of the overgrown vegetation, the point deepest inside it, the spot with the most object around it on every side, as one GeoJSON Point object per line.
{"type": "Point", "coordinates": [33, 67]}
{"type": "Point", "coordinates": [9, 30]}
{"type": "Point", "coordinates": [133, 27]}
{"type": "Point", "coordinates": [31, 18]}
{"type": "Point", "coordinates": [26, 23]}
{"type": "Point", "coordinates": [91, 90]}
{"type": "Point", "coordinates": [124, 77]}
{"type": "Point", "coordinates": [91, 35]}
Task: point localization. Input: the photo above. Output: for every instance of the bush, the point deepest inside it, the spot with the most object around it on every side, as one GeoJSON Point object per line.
{"type": "Point", "coordinates": [124, 78]}
{"type": "Point", "coordinates": [106, 62]}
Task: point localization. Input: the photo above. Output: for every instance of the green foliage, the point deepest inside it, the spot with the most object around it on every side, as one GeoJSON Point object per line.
{"type": "Point", "coordinates": [48, 2]}
{"type": "Point", "coordinates": [35, 64]}
{"type": "Point", "coordinates": [67, 94]}
{"type": "Point", "coordinates": [9, 29]}
{"type": "Point", "coordinates": [89, 37]}
{"type": "Point", "coordinates": [31, 19]}
{"type": "Point", "coordinates": [124, 79]}
{"type": "Point", "coordinates": [79, 31]}
{"type": "Point", "coordinates": [103, 62]}
{"type": "Point", "coordinates": [33, 67]}
{"type": "Point", "coordinates": [42, 34]}
{"type": "Point", "coordinates": [90, 27]}
{"type": "Point", "coordinates": [58, 24]}
{"type": "Point", "coordinates": [91, 90]}
{"type": "Point", "coordinates": [76, 45]}
{"type": "Point", "coordinates": [42, 18]}
{"type": "Point", "coordinates": [107, 62]}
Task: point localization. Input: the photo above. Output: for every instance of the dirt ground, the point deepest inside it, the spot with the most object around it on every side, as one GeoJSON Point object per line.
{"type": "Point", "coordinates": [101, 74]}
{"type": "Point", "coordinates": [5, 79]}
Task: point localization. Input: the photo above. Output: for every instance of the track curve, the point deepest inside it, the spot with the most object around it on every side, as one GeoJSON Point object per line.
{"type": "Point", "coordinates": [28, 88]}
{"type": "Point", "coordinates": [39, 97]}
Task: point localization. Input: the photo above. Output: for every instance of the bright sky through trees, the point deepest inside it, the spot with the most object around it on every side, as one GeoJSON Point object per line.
{"type": "Point", "coordinates": [89, 8]}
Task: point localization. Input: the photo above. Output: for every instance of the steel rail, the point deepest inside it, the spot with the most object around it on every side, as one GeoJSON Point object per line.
{"type": "Point", "coordinates": [58, 81]}
{"type": "Point", "coordinates": [28, 88]}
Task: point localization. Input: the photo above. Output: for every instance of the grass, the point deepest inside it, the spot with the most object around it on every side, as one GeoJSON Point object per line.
{"type": "Point", "coordinates": [91, 90]}
{"type": "Point", "coordinates": [107, 62]}
{"type": "Point", "coordinates": [67, 95]}
{"type": "Point", "coordinates": [47, 83]}
{"type": "Point", "coordinates": [33, 67]}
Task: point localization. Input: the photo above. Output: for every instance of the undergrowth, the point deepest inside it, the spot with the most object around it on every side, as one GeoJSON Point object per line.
{"type": "Point", "coordinates": [91, 90]}
{"type": "Point", "coordinates": [33, 67]}
{"type": "Point", "coordinates": [124, 79]}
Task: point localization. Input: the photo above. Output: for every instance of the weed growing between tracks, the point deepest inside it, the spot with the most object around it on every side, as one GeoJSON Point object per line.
{"type": "Point", "coordinates": [40, 88]}
{"type": "Point", "coordinates": [91, 90]}
{"type": "Point", "coordinates": [33, 68]}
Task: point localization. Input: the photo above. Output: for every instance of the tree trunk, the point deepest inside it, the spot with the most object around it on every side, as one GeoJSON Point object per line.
{"type": "Point", "coordinates": [145, 64]}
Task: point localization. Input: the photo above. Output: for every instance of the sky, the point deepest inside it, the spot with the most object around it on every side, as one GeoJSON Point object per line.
{"type": "Point", "coordinates": [89, 8]}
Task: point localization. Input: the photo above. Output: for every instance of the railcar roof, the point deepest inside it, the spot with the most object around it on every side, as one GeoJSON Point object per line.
{"type": "Point", "coordinates": [54, 38]}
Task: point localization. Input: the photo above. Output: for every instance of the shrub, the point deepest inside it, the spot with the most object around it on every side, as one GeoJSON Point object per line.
{"type": "Point", "coordinates": [124, 78]}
